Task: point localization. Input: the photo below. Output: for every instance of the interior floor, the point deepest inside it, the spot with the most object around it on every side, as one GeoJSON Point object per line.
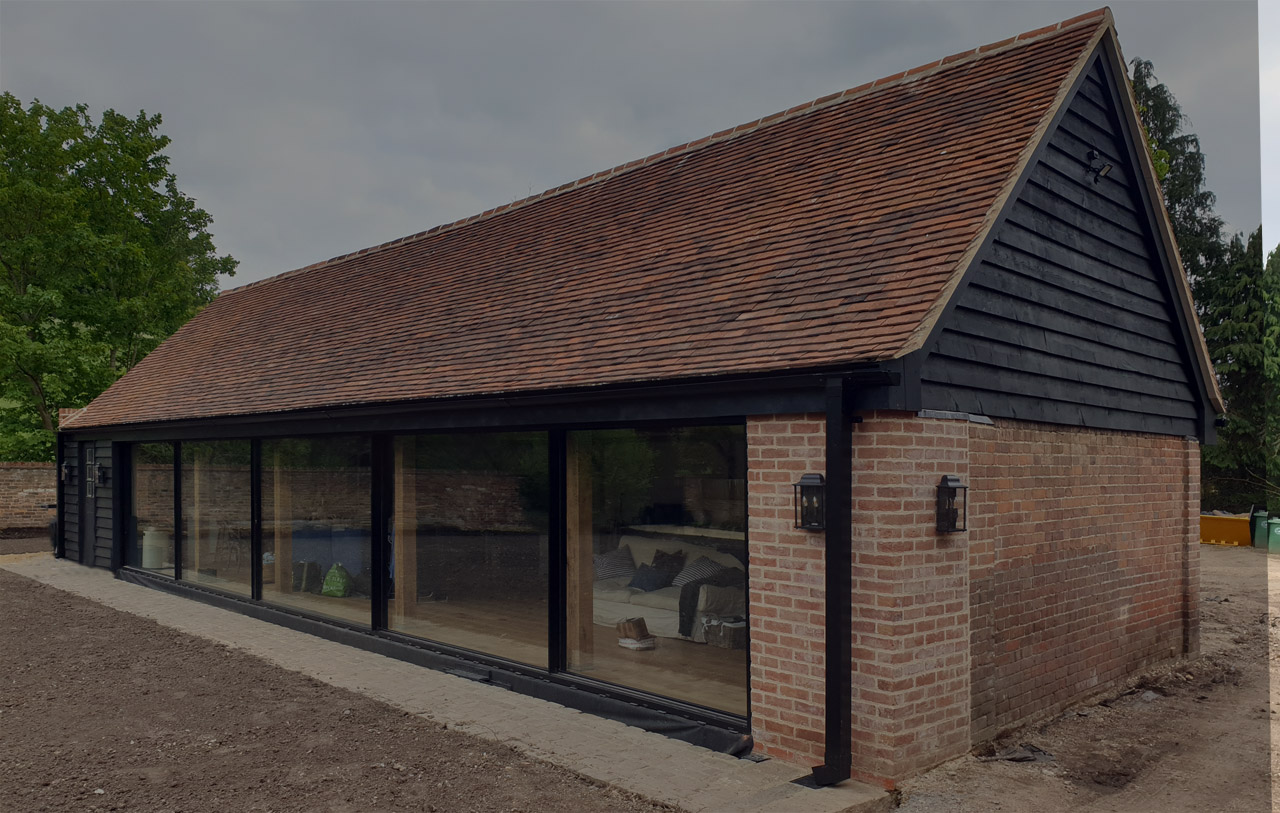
{"type": "Point", "coordinates": [682, 670]}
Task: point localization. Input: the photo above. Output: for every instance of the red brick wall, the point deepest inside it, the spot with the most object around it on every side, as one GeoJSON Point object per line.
{"type": "Point", "coordinates": [788, 609]}
{"type": "Point", "coordinates": [25, 490]}
{"type": "Point", "coordinates": [910, 599]}
{"type": "Point", "coordinates": [1082, 545]}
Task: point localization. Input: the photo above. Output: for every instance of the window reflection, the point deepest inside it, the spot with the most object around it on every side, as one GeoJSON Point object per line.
{"type": "Point", "coordinates": [316, 541]}
{"type": "Point", "coordinates": [657, 593]}
{"type": "Point", "coordinates": [151, 523]}
{"type": "Point", "coordinates": [470, 556]}
{"type": "Point", "coordinates": [216, 511]}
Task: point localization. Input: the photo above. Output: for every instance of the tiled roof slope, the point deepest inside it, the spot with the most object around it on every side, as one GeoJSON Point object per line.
{"type": "Point", "coordinates": [823, 235]}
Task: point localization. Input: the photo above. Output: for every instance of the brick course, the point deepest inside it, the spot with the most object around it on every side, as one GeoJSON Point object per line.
{"type": "Point", "coordinates": [788, 597]}
{"type": "Point", "coordinates": [1083, 562]}
{"type": "Point", "coordinates": [910, 599]}
{"type": "Point", "coordinates": [1078, 569]}
{"type": "Point", "coordinates": [25, 490]}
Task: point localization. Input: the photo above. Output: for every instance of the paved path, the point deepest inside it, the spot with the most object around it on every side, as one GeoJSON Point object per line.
{"type": "Point", "coordinates": [649, 764]}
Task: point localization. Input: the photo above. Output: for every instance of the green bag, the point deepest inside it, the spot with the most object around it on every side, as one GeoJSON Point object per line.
{"type": "Point", "coordinates": [337, 582]}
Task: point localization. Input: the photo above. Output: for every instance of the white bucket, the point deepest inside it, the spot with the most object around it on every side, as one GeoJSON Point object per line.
{"type": "Point", "coordinates": [155, 544]}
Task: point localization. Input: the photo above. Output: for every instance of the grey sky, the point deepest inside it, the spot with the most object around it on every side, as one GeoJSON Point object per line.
{"type": "Point", "coordinates": [313, 129]}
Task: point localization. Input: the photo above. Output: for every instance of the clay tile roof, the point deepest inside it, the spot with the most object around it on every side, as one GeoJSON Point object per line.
{"type": "Point", "coordinates": [823, 235]}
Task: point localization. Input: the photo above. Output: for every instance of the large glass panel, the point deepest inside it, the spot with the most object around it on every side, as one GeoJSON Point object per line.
{"type": "Point", "coordinates": [316, 551]}
{"type": "Point", "coordinates": [469, 563]}
{"type": "Point", "coordinates": [657, 583]}
{"type": "Point", "coordinates": [216, 513]}
{"type": "Point", "coordinates": [151, 523]}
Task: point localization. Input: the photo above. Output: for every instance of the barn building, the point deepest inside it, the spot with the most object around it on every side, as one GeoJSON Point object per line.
{"type": "Point", "coordinates": [882, 414]}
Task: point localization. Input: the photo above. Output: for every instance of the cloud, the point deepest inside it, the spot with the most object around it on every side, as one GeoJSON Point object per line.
{"type": "Point", "coordinates": [313, 129]}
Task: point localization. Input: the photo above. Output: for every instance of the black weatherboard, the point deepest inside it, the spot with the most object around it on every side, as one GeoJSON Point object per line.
{"type": "Point", "coordinates": [1068, 313]}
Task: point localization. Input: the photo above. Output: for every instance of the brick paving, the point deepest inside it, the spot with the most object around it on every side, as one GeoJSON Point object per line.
{"type": "Point", "coordinates": [659, 768]}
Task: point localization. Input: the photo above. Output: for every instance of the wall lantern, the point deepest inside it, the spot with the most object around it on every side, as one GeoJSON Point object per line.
{"type": "Point", "coordinates": [1098, 166]}
{"type": "Point", "coordinates": [952, 506]}
{"type": "Point", "coordinates": [102, 473]}
{"type": "Point", "coordinates": [65, 472]}
{"type": "Point", "coordinates": [811, 503]}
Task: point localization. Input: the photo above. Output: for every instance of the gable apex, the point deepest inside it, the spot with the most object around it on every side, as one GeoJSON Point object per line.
{"type": "Point", "coordinates": [1074, 309]}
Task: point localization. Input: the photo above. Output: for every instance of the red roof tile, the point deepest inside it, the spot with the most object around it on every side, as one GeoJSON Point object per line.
{"type": "Point", "coordinates": [824, 235]}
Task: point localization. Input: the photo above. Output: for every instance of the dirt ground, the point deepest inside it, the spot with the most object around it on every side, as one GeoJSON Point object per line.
{"type": "Point", "coordinates": [101, 710]}
{"type": "Point", "coordinates": [1193, 736]}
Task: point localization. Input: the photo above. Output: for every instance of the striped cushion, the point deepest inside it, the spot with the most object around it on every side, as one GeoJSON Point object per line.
{"type": "Point", "coordinates": [699, 569]}
{"type": "Point", "coordinates": [616, 564]}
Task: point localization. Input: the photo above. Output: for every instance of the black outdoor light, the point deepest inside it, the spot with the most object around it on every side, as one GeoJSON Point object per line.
{"type": "Point", "coordinates": [952, 507]}
{"type": "Point", "coordinates": [65, 472]}
{"type": "Point", "coordinates": [1098, 166]}
{"type": "Point", "coordinates": [811, 503]}
{"type": "Point", "coordinates": [102, 473]}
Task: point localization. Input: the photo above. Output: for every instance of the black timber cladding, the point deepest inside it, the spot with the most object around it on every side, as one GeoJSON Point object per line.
{"type": "Point", "coordinates": [104, 502]}
{"type": "Point", "coordinates": [69, 519]}
{"type": "Point", "coordinates": [1067, 315]}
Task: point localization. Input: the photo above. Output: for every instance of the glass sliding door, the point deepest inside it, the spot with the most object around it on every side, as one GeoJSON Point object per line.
{"type": "Point", "coordinates": [151, 521]}
{"type": "Point", "coordinates": [656, 543]}
{"type": "Point", "coordinates": [317, 555]}
{"type": "Point", "coordinates": [216, 512]}
{"type": "Point", "coordinates": [470, 552]}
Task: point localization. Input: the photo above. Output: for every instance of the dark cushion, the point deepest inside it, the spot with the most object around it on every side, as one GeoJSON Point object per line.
{"type": "Point", "coordinates": [671, 563]}
{"type": "Point", "coordinates": [616, 564]}
{"type": "Point", "coordinates": [649, 578]}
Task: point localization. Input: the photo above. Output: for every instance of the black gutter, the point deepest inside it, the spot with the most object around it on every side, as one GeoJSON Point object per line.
{"type": "Point", "coordinates": [121, 503]}
{"type": "Point", "coordinates": [178, 542]}
{"type": "Point", "coordinates": [580, 408]}
{"type": "Point", "coordinates": [59, 530]}
{"type": "Point", "coordinates": [255, 518]}
{"type": "Point", "coordinates": [838, 678]}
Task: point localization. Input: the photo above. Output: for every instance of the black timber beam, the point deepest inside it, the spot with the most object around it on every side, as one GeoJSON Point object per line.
{"type": "Point", "coordinates": [672, 401]}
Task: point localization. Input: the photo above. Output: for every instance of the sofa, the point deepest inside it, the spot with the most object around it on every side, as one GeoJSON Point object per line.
{"type": "Point", "coordinates": [614, 600]}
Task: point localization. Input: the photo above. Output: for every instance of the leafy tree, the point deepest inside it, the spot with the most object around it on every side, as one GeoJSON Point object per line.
{"type": "Point", "coordinates": [1236, 300]}
{"type": "Point", "coordinates": [101, 258]}
{"type": "Point", "coordinates": [1271, 374]}
{"type": "Point", "coordinates": [1234, 472]}
{"type": "Point", "coordinates": [1197, 226]}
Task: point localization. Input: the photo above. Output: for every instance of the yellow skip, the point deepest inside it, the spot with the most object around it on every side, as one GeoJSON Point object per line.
{"type": "Point", "coordinates": [1225, 531]}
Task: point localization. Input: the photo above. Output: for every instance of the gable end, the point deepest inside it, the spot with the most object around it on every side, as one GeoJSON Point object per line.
{"type": "Point", "coordinates": [1068, 315]}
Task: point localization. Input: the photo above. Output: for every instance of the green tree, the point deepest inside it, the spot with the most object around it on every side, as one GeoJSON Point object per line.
{"type": "Point", "coordinates": [1196, 225]}
{"type": "Point", "coordinates": [101, 258]}
{"type": "Point", "coordinates": [1271, 374]}
{"type": "Point", "coordinates": [1236, 299]}
{"type": "Point", "coordinates": [1238, 330]}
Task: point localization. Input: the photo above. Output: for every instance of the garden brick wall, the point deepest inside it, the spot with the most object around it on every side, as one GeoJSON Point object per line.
{"type": "Point", "coordinates": [25, 490]}
{"type": "Point", "coordinates": [1084, 557]}
{"type": "Point", "coordinates": [468, 501]}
